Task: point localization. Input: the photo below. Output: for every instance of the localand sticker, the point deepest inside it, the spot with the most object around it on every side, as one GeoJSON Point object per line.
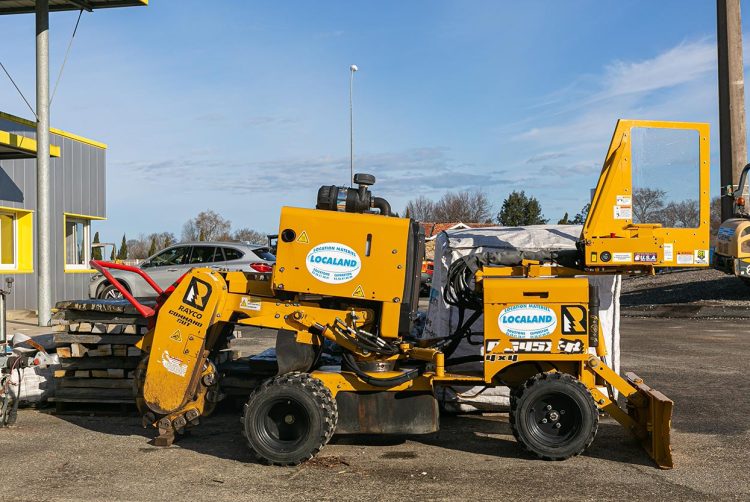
{"type": "Point", "coordinates": [247, 303]}
{"type": "Point", "coordinates": [359, 292]}
{"type": "Point", "coordinates": [669, 252]}
{"type": "Point", "coordinates": [622, 257]}
{"type": "Point", "coordinates": [527, 321]}
{"type": "Point", "coordinates": [685, 257]}
{"type": "Point", "coordinates": [701, 257]}
{"type": "Point", "coordinates": [574, 319]}
{"type": "Point", "coordinates": [644, 257]}
{"type": "Point", "coordinates": [303, 238]}
{"type": "Point", "coordinates": [176, 336]}
{"type": "Point", "coordinates": [173, 364]}
{"type": "Point", "coordinates": [333, 263]}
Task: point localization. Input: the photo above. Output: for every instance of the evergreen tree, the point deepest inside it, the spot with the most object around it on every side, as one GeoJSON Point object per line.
{"type": "Point", "coordinates": [122, 254]}
{"type": "Point", "coordinates": [520, 210]}
{"type": "Point", "coordinates": [564, 220]}
{"type": "Point", "coordinates": [153, 249]}
{"type": "Point", "coordinates": [96, 251]}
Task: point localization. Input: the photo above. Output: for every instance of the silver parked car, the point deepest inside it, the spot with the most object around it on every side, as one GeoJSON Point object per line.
{"type": "Point", "coordinates": [168, 265]}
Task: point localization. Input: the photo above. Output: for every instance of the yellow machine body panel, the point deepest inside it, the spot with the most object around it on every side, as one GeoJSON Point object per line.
{"type": "Point", "coordinates": [614, 236]}
{"type": "Point", "coordinates": [345, 255]}
{"type": "Point", "coordinates": [528, 318]}
{"type": "Point", "coordinates": [177, 351]}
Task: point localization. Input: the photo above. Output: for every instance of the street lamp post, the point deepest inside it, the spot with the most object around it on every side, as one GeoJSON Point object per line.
{"type": "Point", "coordinates": [353, 68]}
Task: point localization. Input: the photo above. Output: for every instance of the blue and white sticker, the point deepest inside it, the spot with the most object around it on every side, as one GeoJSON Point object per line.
{"type": "Point", "coordinates": [527, 321]}
{"type": "Point", "coordinates": [333, 263]}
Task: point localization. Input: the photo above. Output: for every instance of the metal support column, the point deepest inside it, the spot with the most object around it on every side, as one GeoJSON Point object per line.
{"type": "Point", "coordinates": [43, 180]}
{"type": "Point", "coordinates": [733, 140]}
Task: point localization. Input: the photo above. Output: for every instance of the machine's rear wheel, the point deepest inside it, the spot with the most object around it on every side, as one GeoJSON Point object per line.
{"type": "Point", "coordinates": [553, 416]}
{"type": "Point", "coordinates": [289, 418]}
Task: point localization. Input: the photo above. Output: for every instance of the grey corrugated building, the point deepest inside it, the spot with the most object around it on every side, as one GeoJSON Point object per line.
{"type": "Point", "coordinates": [78, 198]}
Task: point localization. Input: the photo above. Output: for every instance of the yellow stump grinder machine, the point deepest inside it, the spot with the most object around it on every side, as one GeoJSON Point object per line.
{"type": "Point", "coordinates": [346, 281]}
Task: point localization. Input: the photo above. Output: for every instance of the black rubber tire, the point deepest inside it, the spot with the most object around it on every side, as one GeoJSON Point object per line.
{"type": "Point", "coordinates": [572, 407]}
{"type": "Point", "coordinates": [289, 418]}
{"type": "Point", "coordinates": [109, 290]}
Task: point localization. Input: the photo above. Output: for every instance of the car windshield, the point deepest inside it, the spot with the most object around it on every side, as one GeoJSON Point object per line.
{"type": "Point", "coordinates": [173, 256]}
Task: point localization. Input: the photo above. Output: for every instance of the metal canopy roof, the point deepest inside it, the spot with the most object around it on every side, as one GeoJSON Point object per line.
{"type": "Point", "coordinates": [28, 6]}
{"type": "Point", "coordinates": [13, 146]}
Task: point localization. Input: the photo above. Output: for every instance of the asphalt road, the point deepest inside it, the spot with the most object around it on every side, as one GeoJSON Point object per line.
{"type": "Point", "coordinates": [700, 364]}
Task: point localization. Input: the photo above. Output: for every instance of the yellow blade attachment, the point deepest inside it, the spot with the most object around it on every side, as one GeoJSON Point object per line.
{"type": "Point", "coordinates": [654, 418]}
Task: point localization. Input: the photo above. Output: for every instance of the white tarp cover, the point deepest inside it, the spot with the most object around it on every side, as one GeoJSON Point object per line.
{"type": "Point", "coordinates": [442, 319]}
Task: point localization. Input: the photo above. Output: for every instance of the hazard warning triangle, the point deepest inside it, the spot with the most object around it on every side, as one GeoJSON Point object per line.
{"type": "Point", "coordinates": [303, 239]}
{"type": "Point", "coordinates": [359, 292]}
{"type": "Point", "coordinates": [176, 336]}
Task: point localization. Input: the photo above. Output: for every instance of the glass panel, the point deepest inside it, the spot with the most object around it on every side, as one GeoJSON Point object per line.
{"type": "Point", "coordinates": [75, 248]}
{"type": "Point", "coordinates": [264, 254]}
{"type": "Point", "coordinates": [7, 240]}
{"type": "Point", "coordinates": [202, 254]}
{"type": "Point", "coordinates": [174, 256]}
{"type": "Point", "coordinates": [233, 254]}
{"type": "Point", "coordinates": [666, 176]}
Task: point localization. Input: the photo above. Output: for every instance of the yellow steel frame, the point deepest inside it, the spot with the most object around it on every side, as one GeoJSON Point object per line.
{"type": "Point", "coordinates": [603, 232]}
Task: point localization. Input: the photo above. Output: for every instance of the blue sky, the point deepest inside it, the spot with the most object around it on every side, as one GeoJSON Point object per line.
{"type": "Point", "coordinates": [242, 107]}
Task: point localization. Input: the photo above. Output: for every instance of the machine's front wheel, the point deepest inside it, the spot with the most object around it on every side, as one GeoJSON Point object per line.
{"type": "Point", "coordinates": [289, 418]}
{"type": "Point", "coordinates": [554, 416]}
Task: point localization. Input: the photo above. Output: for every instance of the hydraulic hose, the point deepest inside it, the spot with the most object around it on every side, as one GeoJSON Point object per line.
{"type": "Point", "coordinates": [351, 364]}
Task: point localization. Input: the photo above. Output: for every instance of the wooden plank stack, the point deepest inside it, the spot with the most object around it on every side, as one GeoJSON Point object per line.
{"type": "Point", "coordinates": [96, 349]}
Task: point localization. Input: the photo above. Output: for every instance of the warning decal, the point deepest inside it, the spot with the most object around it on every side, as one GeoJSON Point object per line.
{"type": "Point", "coordinates": [303, 239]}
{"type": "Point", "coordinates": [176, 336]}
{"type": "Point", "coordinates": [359, 292]}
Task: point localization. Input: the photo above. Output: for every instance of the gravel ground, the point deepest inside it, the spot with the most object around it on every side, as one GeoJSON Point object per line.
{"type": "Point", "coordinates": [697, 363]}
{"type": "Point", "coordinates": [707, 287]}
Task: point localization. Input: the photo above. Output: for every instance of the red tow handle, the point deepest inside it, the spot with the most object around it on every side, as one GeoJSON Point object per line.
{"type": "Point", "coordinates": [102, 267]}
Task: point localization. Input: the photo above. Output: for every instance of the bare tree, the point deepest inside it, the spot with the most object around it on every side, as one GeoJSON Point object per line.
{"type": "Point", "coordinates": [207, 226]}
{"type": "Point", "coordinates": [465, 206]}
{"type": "Point", "coordinates": [138, 247]}
{"type": "Point", "coordinates": [647, 203]}
{"type": "Point", "coordinates": [715, 215]}
{"type": "Point", "coordinates": [421, 209]}
{"type": "Point", "coordinates": [685, 214]}
{"type": "Point", "coordinates": [249, 235]}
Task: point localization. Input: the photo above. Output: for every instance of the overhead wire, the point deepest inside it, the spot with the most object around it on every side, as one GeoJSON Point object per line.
{"type": "Point", "coordinates": [65, 59]}
{"type": "Point", "coordinates": [19, 91]}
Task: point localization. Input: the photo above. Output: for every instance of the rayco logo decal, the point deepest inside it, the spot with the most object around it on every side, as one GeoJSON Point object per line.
{"type": "Point", "coordinates": [527, 321]}
{"type": "Point", "coordinates": [333, 263]}
{"type": "Point", "coordinates": [197, 294]}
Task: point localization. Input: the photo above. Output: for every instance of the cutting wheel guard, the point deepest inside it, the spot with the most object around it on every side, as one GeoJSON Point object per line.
{"type": "Point", "coordinates": [655, 418]}
{"type": "Point", "coordinates": [102, 267]}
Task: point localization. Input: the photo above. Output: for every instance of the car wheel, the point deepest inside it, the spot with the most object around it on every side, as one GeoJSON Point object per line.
{"type": "Point", "coordinates": [110, 293]}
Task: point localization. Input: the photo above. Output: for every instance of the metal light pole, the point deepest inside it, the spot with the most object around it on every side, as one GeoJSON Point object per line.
{"type": "Point", "coordinates": [353, 68]}
{"type": "Point", "coordinates": [43, 187]}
